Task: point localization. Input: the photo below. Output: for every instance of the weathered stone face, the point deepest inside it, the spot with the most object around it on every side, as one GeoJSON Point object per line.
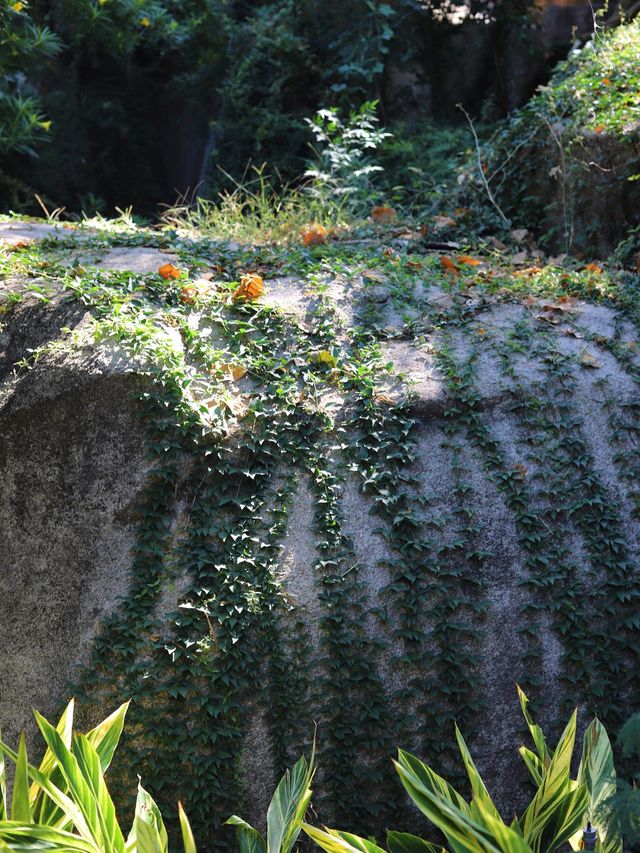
{"type": "Point", "coordinates": [72, 460]}
{"type": "Point", "coordinates": [470, 524]}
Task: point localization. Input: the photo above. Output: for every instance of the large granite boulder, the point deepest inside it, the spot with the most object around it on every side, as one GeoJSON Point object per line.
{"type": "Point", "coordinates": [423, 490]}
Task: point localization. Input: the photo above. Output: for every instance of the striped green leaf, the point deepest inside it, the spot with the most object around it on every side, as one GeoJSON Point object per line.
{"type": "Point", "coordinates": [478, 787]}
{"type": "Point", "coordinates": [3, 784]}
{"type": "Point", "coordinates": [404, 842]}
{"type": "Point", "coordinates": [82, 790]}
{"type": "Point", "coordinates": [288, 807]}
{"type": "Point", "coordinates": [20, 806]}
{"type": "Point", "coordinates": [334, 841]}
{"type": "Point", "coordinates": [148, 833]}
{"type": "Point", "coordinates": [249, 839]}
{"type": "Point", "coordinates": [463, 833]}
{"type": "Point", "coordinates": [536, 732]}
{"type": "Point", "coordinates": [28, 838]}
{"type": "Point", "coordinates": [188, 841]}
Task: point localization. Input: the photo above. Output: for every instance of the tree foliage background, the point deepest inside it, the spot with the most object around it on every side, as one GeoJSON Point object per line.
{"type": "Point", "coordinates": [134, 101]}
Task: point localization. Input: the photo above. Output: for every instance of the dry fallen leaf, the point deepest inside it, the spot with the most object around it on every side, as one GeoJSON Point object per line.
{"type": "Point", "coordinates": [548, 318]}
{"type": "Point", "coordinates": [519, 234]}
{"type": "Point", "coordinates": [448, 265]}
{"type": "Point", "coordinates": [19, 244]}
{"type": "Point", "coordinates": [314, 235]}
{"type": "Point", "coordinates": [594, 268]}
{"type": "Point", "coordinates": [467, 260]}
{"type": "Point", "coordinates": [168, 271]}
{"type": "Point", "coordinates": [251, 287]}
{"type": "Point", "coordinates": [588, 360]}
{"type": "Point", "coordinates": [442, 222]}
{"type": "Point", "coordinates": [414, 265]}
{"type": "Point", "coordinates": [385, 398]}
{"type": "Point", "coordinates": [383, 214]}
{"type": "Point", "coordinates": [235, 371]}
{"type": "Point", "coordinates": [528, 272]}
{"type": "Point", "coordinates": [521, 469]}
{"type": "Point", "coordinates": [373, 275]}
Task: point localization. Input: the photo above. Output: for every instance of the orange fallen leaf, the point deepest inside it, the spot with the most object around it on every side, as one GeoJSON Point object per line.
{"type": "Point", "coordinates": [251, 287]}
{"type": "Point", "coordinates": [381, 214]}
{"type": "Point", "coordinates": [528, 272]}
{"type": "Point", "coordinates": [414, 265]}
{"type": "Point", "coordinates": [467, 260]}
{"type": "Point", "coordinates": [315, 235]}
{"type": "Point", "coordinates": [389, 253]}
{"type": "Point", "coordinates": [481, 331]}
{"type": "Point", "coordinates": [606, 81]}
{"type": "Point", "coordinates": [448, 265]}
{"type": "Point", "coordinates": [19, 244]}
{"type": "Point", "coordinates": [168, 271]}
{"type": "Point", "coordinates": [598, 128]}
{"type": "Point", "coordinates": [594, 268]}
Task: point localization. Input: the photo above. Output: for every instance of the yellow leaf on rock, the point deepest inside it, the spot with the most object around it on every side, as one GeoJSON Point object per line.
{"type": "Point", "coordinates": [323, 356]}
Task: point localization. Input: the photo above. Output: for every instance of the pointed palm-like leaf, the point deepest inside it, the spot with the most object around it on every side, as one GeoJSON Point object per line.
{"type": "Point", "coordinates": [334, 841]}
{"type": "Point", "coordinates": [544, 754]}
{"type": "Point", "coordinates": [27, 838]}
{"type": "Point", "coordinates": [249, 839]}
{"type": "Point", "coordinates": [556, 810]}
{"type": "Point", "coordinates": [188, 841]}
{"type": "Point", "coordinates": [148, 833]}
{"type": "Point", "coordinates": [20, 807]}
{"type": "Point", "coordinates": [597, 772]}
{"type": "Point", "coordinates": [288, 806]}
{"type": "Point", "coordinates": [83, 777]}
{"type": "Point", "coordinates": [404, 842]}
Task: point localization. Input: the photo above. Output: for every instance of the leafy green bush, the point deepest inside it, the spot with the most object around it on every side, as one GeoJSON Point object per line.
{"type": "Point", "coordinates": [23, 44]}
{"type": "Point", "coordinates": [559, 809]}
{"type": "Point", "coordinates": [343, 149]}
{"type": "Point", "coordinates": [67, 806]}
{"type": "Point", "coordinates": [562, 164]}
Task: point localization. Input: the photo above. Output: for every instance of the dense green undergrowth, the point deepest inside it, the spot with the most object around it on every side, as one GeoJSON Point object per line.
{"type": "Point", "coordinates": [65, 804]}
{"type": "Point", "coordinates": [566, 163]}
